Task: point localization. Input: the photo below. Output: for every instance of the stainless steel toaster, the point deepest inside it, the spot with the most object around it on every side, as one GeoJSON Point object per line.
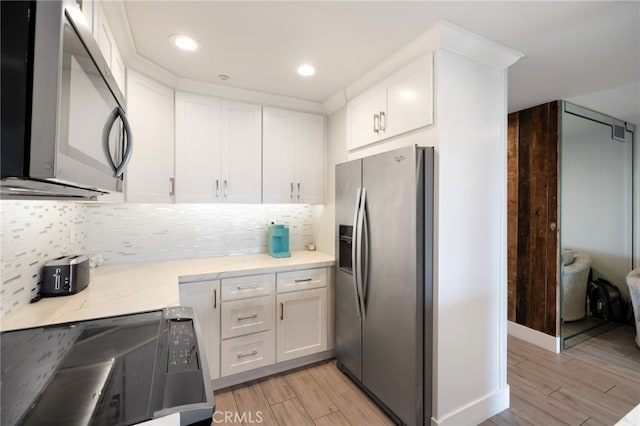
{"type": "Point", "coordinates": [65, 275]}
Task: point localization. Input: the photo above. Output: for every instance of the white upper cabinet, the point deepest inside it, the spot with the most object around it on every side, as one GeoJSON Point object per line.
{"type": "Point", "coordinates": [277, 145]}
{"type": "Point", "coordinates": [293, 159]}
{"type": "Point", "coordinates": [149, 175]}
{"type": "Point", "coordinates": [218, 150]}
{"type": "Point", "coordinates": [241, 149]}
{"type": "Point", "coordinates": [308, 158]}
{"type": "Point", "coordinates": [197, 149]}
{"type": "Point", "coordinates": [364, 118]}
{"type": "Point", "coordinates": [106, 42]}
{"type": "Point", "coordinates": [400, 103]}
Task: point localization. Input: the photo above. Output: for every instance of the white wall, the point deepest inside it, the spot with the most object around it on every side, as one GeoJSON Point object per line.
{"type": "Point", "coordinates": [336, 153]}
{"type": "Point", "coordinates": [623, 103]}
{"type": "Point", "coordinates": [470, 272]}
{"type": "Point", "coordinates": [596, 196]}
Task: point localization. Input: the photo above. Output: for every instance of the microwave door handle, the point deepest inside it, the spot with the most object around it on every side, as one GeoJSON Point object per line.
{"type": "Point", "coordinates": [129, 150]}
{"type": "Point", "coordinates": [106, 132]}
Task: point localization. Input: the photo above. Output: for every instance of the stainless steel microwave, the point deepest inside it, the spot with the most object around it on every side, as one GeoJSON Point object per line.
{"type": "Point", "coordinates": [64, 127]}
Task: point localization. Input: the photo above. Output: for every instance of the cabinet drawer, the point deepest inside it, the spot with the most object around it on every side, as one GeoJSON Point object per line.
{"type": "Point", "coordinates": [250, 286]}
{"type": "Point", "coordinates": [302, 280]}
{"type": "Point", "coordinates": [240, 317]}
{"type": "Point", "coordinates": [247, 352]}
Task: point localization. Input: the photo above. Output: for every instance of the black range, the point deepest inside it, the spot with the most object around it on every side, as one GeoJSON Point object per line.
{"type": "Point", "coordinates": [119, 370]}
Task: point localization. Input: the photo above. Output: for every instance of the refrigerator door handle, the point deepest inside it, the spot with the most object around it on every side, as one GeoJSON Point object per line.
{"type": "Point", "coordinates": [354, 251]}
{"type": "Point", "coordinates": [364, 235]}
{"type": "Point", "coordinates": [358, 265]}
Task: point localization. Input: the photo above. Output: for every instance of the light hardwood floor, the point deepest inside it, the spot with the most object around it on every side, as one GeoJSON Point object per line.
{"type": "Point", "coordinates": [594, 383]}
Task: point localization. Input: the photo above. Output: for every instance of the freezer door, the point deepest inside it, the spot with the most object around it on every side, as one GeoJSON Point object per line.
{"type": "Point", "coordinates": [347, 315]}
{"type": "Point", "coordinates": [392, 366]}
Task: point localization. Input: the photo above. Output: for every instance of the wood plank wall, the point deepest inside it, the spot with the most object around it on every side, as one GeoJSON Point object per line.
{"type": "Point", "coordinates": [532, 212]}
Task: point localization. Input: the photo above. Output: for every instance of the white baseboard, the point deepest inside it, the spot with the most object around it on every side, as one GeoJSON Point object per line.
{"type": "Point", "coordinates": [534, 337]}
{"type": "Point", "coordinates": [478, 411]}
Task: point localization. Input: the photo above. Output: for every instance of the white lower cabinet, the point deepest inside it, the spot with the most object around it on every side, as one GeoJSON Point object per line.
{"type": "Point", "coordinates": [204, 298]}
{"type": "Point", "coordinates": [247, 352]}
{"type": "Point", "coordinates": [302, 324]}
{"type": "Point", "coordinates": [240, 317]}
{"type": "Point", "coordinates": [258, 320]}
{"type": "Point", "coordinates": [248, 317]}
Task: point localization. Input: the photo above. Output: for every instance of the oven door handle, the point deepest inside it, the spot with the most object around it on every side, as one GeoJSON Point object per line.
{"type": "Point", "coordinates": [106, 132]}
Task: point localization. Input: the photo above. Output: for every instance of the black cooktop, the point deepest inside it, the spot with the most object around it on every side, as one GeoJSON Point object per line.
{"type": "Point", "coordinates": [119, 370]}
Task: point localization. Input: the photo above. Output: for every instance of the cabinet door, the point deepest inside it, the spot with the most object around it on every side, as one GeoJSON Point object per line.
{"type": "Point", "coordinates": [302, 323]}
{"type": "Point", "coordinates": [118, 68]}
{"type": "Point", "coordinates": [150, 111]}
{"type": "Point", "coordinates": [309, 158]}
{"type": "Point", "coordinates": [248, 286]}
{"type": "Point", "coordinates": [277, 145]}
{"type": "Point", "coordinates": [305, 279]}
{"type": "Point", "coordinates": [102, 32]}
{"type": "Point", "coordinates": [241, 152]}
{"type": "Point", "coordinates": [362, 128]}
{"type": "Point", "coordinates": [204, 298]}
{"type": "Point", "coordinates": [197, 149]}
{"type": "Point", "coordinates": [88, 9]}
{"type": "Point", "coordinates": [247, 316]}
{"type": "Point", "coordinates": [247, 352]}
{"type": "Point", "coordinates": [106, 43]}
{"type": "Point", "coordinates": [409, 95]}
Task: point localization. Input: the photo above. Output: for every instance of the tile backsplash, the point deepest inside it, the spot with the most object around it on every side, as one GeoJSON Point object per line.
{"type": "Point", "coordinates": [124, 233]}
{"type": "Point", "coordinates": [31, 233]}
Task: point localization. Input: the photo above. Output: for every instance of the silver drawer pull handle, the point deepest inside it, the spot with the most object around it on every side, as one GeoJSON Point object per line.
{"type": "Point", "coordinates": [246, 317]}
{"type": "Point", "coordinates": [302, 281]}
{"type": "Point", "coordinates": [246, 287]}
{"type": "Point", "coordinates": [246, 355]}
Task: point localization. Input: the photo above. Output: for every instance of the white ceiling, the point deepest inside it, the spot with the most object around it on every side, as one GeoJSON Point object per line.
{"type": "Point", "coordinates": [571, 48]}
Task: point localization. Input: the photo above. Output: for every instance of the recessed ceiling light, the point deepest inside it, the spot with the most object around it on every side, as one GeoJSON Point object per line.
{"type": "Point", "coordinates": [184, 42]}
{"type": "Point", "coordinates": [306, 70]}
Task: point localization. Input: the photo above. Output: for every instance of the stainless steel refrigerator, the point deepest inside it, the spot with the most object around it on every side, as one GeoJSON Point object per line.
{"type": "Point", "coordinates": [384, 247]}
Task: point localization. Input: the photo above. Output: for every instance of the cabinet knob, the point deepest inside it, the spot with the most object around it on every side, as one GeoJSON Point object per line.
{"type": "Point", "coordinates": [553, 226]}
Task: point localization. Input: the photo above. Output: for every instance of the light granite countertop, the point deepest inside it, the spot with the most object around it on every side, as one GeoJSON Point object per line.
{"type": "Point", "coordinates": [136, 287]}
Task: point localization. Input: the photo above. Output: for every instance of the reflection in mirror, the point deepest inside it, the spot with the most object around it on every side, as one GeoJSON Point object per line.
{"type": "Point", "coordinates": [595, 217]}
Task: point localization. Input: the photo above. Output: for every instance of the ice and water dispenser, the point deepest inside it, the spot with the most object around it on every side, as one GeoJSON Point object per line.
{"type": "Point", "coordinates": [344, 247]}
{"type": "Point", "coordinates": [278, 241]}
